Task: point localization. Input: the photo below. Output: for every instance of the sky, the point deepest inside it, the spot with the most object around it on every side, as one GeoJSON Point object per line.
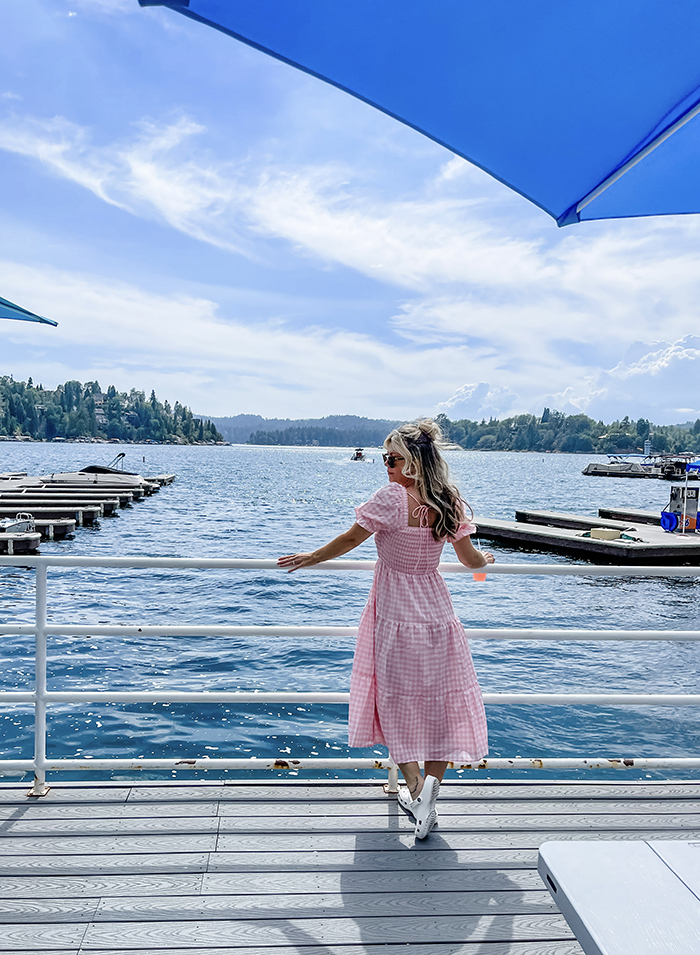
{"type": "Point", "coordinates": [208, 222]}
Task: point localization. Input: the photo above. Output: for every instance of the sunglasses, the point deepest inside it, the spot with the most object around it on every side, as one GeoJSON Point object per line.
{"type": "Point", "coordinates": [391, 459]}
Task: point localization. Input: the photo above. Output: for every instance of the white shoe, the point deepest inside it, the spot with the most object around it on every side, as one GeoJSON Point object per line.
{"type": "Point", "coordinates": [405, 801]}
{"type": "Point", "coordinates": [423, 808]}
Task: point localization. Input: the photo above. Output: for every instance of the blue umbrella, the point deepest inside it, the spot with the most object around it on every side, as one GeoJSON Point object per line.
{"type": "Point", "coordinates": [9, 310]}
{"type": "Point", "coordinates": [586, 109]}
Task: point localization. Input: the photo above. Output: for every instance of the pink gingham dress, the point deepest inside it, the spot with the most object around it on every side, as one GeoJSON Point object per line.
{"type": "Point", "coordinates": [413, 686]}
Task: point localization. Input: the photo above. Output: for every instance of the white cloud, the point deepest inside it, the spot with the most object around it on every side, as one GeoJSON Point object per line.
{"type": "Point", "coordinates": [521, 307]}
{"type": "Point", "coordinates": [119, 333]}
{"type": "Point", "coordinates": [661, 384]}
{"type": "Point", "coordinates": [478, 400]}
{"type": "Point", "coordinates": [10, 95]}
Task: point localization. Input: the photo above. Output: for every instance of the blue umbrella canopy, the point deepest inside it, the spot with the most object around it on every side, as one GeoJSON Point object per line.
{"type": "Point", "coordinates": [587, 109]}
{"type": "Point", "coordinates": [10, 310]}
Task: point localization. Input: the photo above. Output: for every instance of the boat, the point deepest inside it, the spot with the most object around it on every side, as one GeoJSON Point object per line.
{"type": "Point", "coordinates": [667, 467]}
{"type": "Point", "coordinates": [21, 524]}
{"type": "Point", "coordinates": [359, 455]}
{"type": "Point", "coordinates": [18, 535]}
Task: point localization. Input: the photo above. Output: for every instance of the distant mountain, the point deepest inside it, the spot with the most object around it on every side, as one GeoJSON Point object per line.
{"type": "Point", "coordinates": [333, 429]}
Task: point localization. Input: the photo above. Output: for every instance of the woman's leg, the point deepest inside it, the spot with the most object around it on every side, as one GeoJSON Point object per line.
{"type": "Point", "coordinates": [436, 768]}
{"type": "Point", "coordinates": [414, 780]}
{"type": "Point", "coordinates": [412, 775]}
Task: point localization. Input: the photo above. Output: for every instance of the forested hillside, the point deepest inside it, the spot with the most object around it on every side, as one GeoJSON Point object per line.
{"type": "Point", "coordinates": [555, 431]}
{"type": "Point", "coordinates": [339, 430]}
{"type": "Point", "coordinates": [75, 410]}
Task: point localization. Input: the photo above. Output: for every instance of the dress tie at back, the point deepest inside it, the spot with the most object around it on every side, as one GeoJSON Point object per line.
{"type": "Point", "coordinates": [420, 513]}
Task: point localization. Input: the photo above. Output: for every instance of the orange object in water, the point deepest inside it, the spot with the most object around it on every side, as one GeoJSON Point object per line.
{"type": "Point", "coordinates": [479, 577]}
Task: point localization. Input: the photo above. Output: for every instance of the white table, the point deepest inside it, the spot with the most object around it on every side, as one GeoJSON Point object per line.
{"type": "Point", "coordinates": [627, 898]}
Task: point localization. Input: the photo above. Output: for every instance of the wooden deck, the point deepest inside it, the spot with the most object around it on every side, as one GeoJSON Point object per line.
{"type": "Point", "coordinates": [280, 868]}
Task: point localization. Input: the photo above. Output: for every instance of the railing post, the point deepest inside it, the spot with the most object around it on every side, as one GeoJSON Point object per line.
{"type": "Point", "coordinates": [40, 788]}
{"type": "Point", "coordinates": [392, 786]}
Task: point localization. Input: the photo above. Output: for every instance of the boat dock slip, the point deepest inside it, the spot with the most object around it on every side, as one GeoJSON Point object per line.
{"type": "Point", "coordinates": [125, 498]}
{"type": "Point", "coordinates": [25, 543]}
{"type": "Point", "coordinates": [313, 868]}
{"type": "Point", "coordinates": [105, 505]}
{"type": "Point", "coordinates": [83, 515]}
{"type": "Point", "coordinates": [629, 514]}
{"type": "Point", "coordinates": [641, 542]}
{"type": "Point", "coordinates": [55, 528]}
{"type": "Point", "coordinates": [161, 479]}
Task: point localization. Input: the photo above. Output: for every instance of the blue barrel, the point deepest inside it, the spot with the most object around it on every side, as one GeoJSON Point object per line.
{"type": "Point", "coordinates": [669, 521]}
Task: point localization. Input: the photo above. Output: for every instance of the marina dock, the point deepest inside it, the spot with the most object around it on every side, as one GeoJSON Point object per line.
{"type": "Point", "coordinates": [641, 539]}
{"type": "Point", "coordinates": [58, 503]}
{"type": "Point", "coordinates": [246, 868]}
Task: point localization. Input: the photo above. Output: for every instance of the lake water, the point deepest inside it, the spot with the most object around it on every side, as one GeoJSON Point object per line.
{"type": "Point", "coordinates": [247, 501]}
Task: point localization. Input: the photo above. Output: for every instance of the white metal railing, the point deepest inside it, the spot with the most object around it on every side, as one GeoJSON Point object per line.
{"type": "Point", "coordinates": [41, 697]}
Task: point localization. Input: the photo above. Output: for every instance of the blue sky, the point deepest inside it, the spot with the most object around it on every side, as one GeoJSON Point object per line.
{"type": "Point", "coordinates": [202, 219]}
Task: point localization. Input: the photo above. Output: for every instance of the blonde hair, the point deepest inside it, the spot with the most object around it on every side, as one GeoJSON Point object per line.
{"type": "Point", "coordinates": [419, 442]}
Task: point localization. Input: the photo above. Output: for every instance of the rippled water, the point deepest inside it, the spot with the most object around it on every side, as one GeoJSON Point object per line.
{"type": "Point", "coordinates": [245, 501]}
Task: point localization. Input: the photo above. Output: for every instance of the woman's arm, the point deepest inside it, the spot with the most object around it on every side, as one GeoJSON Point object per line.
{"type": "Point", "coordinates": [339, 545]}
{"type": "Point", "coordinates": [468, 555]}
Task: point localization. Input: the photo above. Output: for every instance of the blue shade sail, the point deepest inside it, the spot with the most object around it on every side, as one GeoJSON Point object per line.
{"type": "Point", "coordinates": [587, 108]}
{"type": "Point", "coordinates": [9, 310]}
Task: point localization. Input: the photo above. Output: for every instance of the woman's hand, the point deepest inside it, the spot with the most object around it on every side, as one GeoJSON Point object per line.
{"type": "Point", "coordinates": [336, 548]}
{"type": "Point", "coordinates": [295, 561]}
{"type": "Point", "coordinates": [468, 555]}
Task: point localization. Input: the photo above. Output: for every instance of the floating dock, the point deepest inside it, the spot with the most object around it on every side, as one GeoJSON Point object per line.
{"type": "Point", "coordinates": [24, 543]}
{"type": "Point", "coordinates": [278, 868]}
{"type": "Point", "coordinates": [641, 540]}
{"type": "Point", "coordinates": [60, 502]}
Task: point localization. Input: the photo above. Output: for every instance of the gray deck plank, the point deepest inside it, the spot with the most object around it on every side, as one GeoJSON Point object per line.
{"type": "Point", "coordinates": [459, 789]}
{"type": "Point", "coordinates": [78, 845]}
{"type": "Point", "coordinates": [301, 931]}
{"type": "Point", "coordinates": [396, 818]}
{"type": "Point", "coordinates": [268, 883]}
{"type": "Point", "coordinates": [454, 807]}
{"type": "Point", "coordinates": [44, 951]}
{"type": "Point", "coordinates": [316, 905]}
{"type": "Point", "coordinates": [88, 864]}
{"type": "Point", "coordinates": [449, 806]}
{"type": "Point", "coordinates": [37, 809]}
{"type": "Point", "coordinates": [99, 886]}
{"type": "Point", "coordinates": [406, 881]}
{"type": "Point", "coordinates": [38, 938]}
{"type": "Point", "coordinates": [403, 840]}
{"type": "Point", "coordinates": [372, 861]}
{"type": "Point", "coordinates": [399, 839]}
{"type": "Point", "coordinates": [47, 910]}
{"type": "Point", "coordinates": [89, 825]}
{"type": "Point", "coordinates": [17, 793]}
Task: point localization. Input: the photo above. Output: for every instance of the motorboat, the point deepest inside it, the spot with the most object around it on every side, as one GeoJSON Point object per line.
{"type": "Point", "coordinates": [359, 455]}
{"type": "Point", "coordinates": [667, 467]}
{"type": "Point", "coordinates": [22, 524]}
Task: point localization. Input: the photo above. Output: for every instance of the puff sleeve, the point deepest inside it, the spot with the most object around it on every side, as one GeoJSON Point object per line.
{"type": "Point", "coordinates": [465, 529]}
{"type": "Point", "coordinates": [382, 512]}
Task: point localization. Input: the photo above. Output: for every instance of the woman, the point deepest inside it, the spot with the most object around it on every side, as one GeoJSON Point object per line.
{"type": "Point", "coordinates": [413, 685]}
